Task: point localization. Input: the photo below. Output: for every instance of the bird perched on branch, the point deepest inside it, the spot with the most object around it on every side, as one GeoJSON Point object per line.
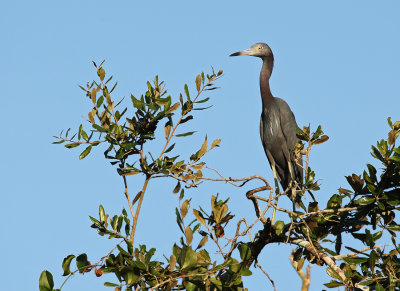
{"type": "Point", "coordinates": [277, 124]}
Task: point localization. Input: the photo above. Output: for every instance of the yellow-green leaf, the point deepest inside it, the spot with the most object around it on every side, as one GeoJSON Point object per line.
{"type": "Point", "coordinates": [167, 130]}
{"type": "Point", "coordinates": [203, 149]}
{"type": "Point", "coordinates": [173, 108]}
{"type": "Point", "coordinates": [198, 82]}
{"type": "Point", "coordinates": [391, 138]}
{"type": "Point", "coordinates": [188, 235]}
{"type": "Point", "coordinates": [333, 274]}
{"type": "Point", "coordinates": [172, 263]}
{"type": "Point", "coordinates": [85, 152]}
{"type": "Point", "coordinates": [101, 73]}
{"type": "Point", "coordinates": [199, 217]}
{"type": "Point", "coordinates": [184, 208]}
{"type": "Point", "coordinates": [131, 173]}
{"type": "Point", "coordinates": [187, 92]}
{"type": "Point", "coordinates": [279, 227]}
{"type": "Point", "coordinates": [202, 242]}
{"type": "Point", "coordinates": [46, 282]}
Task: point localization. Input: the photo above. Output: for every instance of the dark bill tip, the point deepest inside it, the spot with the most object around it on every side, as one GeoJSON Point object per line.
{"type": "Point", "coordinates": [235, 54]}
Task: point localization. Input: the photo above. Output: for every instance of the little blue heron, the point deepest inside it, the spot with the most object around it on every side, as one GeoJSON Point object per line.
{"type": "Point", "coordinates": [277, 124]}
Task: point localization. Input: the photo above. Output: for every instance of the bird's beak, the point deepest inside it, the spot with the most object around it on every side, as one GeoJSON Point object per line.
{"type": "Point", "coordinates": [246, 52]}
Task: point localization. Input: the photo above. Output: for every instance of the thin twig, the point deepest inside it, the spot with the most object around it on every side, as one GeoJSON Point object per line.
{"type": "Point", "coordinates": [341, 257]}
{"type": "Point", "coordinates": [136, 217]}
{"type": "Point", "coordinates": [266, 274]}
{"type": "Point", "coordinates": [128, 197]}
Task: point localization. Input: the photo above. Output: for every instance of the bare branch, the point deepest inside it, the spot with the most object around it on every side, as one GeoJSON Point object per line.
{"type": "Point", "coordinates": [266, 274]}
{"type": "Point", "coordinates": [305, 277]}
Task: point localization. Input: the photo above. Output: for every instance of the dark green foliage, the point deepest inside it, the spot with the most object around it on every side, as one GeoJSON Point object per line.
{"type": "Point", "coordinates": [366, 212]}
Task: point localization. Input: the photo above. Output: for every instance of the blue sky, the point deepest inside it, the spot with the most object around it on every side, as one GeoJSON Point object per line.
{"type": "Point", "coordinates": [336, 64]}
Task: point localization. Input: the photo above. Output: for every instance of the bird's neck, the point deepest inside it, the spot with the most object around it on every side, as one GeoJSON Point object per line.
{"type": "Point", "coordinates": [266, 71]}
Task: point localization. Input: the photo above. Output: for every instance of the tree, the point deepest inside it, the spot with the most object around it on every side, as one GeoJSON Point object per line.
{"type": "Point", "coordinates": [364, 213]}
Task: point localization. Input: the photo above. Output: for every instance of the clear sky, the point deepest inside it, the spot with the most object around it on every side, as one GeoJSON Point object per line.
{"type": "Point", "coordinates": [336, 64]}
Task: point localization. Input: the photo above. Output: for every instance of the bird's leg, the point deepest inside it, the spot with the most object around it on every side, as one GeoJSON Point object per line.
{"type": "Point", "coordinates": [276, 192]}
{"type": "Point", "coordinates": [291, 185]}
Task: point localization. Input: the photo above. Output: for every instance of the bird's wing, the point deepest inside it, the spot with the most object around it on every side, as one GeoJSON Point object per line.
{"type": "Point", "coordinates": [288, 123]}
{"type": "Point", "coordinates": [289, 129]}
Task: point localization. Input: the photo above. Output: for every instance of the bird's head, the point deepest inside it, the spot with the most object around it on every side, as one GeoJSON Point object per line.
{"type": "Point", "coordinates": [260, 50]}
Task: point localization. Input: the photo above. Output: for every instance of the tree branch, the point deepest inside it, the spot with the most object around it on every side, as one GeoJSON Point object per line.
{"type": "Point", "coordinates": [305, 277]}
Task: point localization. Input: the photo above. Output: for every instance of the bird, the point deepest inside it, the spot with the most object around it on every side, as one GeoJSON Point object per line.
{"type": "Point", "coordinates": [278, 125]}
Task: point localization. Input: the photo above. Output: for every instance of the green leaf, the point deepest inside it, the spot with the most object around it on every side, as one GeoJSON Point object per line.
{"type": "Point", "coordinates": [366, 200]}
{"type": "Point", "coordinates": [367, 282]}
{"type": "Point", "coordinates": [187, 92]}
{"type": "Point", "coordinates": [79, 132]}
{"type": "Point", "coordinates": [99, 101]}
{"type": "Point", "coordinates": [376, 154]}
{"type": "Point", "coordinates": [217, 283]}
{"type": "Point", "coordinates": [389, 121]}
{"type": "Point", "coordinates": [355, 260]}
{"type": "Point", "coordinates": [279, 227]}
{"type": "Point", "coordinates": [94, 220]}
{"type": "Point", "coordinates": [72, 145]}
{"type": "Point", "coordinates": [99, 128]}
{"type": "Point", "coordinates": [46, 282]}
{"type": "Point", "coordinates": [84, 135]}
{"type": "Point", "coordinates": [393, 227]}
{"type": "Point", "coordinates": [189, 286]}
{"type": "Point", "coordinates": [82, 262]}
{"type": "Point", "coordinates": [202, 242]}
{"type": "Point", "coordinates": [109, 284]}
{"type": "Point", "coordinates": [378, 287]}
{"type": "Point", "coordinates": [333, 284]}
{"type": "Point", "coordinates": [189, 258]}
{"type": "Point", "coordinates": [333, 274]}
{"type": "Point", "coordinates": [85, 152]}
{"type": "Point", "coordinates": [170, 148]}
{"type": "Point", "coordinates": [199, 217]}
{"type": "Point", "coordinates": [245, 272]}
{"type": "Point", "coordinates": [245, 251]}
{"type": "Point", "coordinates": [66, 263]}
{"type": "Point", "coordinates": [187, 118]}
{"type": "Point", "coordinates": [58, 142]}
{"type": "Point", "coordinates": [130, 277]}
{"type": "Point", "coordinates": [395, 158]}
{"type": "Point", "coordinates": [317, 133]}
{"type": "Point", "coordinates": [185, 134]}
{"type": "Point", "coordinates": [204, 100]}
{"type": "Point", "coordinates": [102, 213]}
